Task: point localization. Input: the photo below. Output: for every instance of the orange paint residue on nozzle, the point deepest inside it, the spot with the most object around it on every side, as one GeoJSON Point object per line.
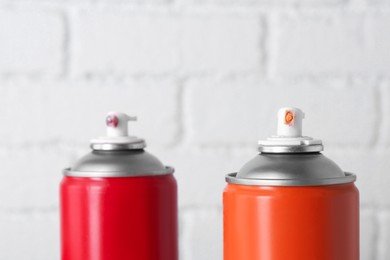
{"type": "Point", "coordinates": [289, 118]}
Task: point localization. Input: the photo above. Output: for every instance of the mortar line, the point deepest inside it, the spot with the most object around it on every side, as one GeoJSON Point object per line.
{"type": "Point", "coordinates": [66, 44]}
{"type": "Point", "coordinates": [263, 38]}
{"type": "Point", "coordinates": [180, 113]}
{"type": "Point", "coordinates": [378, 109]}
{"type": "Point", "coordinates": [377, 235]}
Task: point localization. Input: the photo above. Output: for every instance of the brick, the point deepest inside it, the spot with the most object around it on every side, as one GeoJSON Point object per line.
{"type": "Point", "coordinates": [378, 40]}
{"type": "Point", "coordinates": [131, 43]}
{"type": "Point", "coordinates": [384, 137]}
{"type": "Point", "coordinates": [377, 3]}
{"type": "Point", "coordinates": [74, 112]}
{"type": "Point", "coordinates": [202, 237]}
{"type": "Point", "coordinates": [332, 44]}
{"type": "Point", "coordinates": [138, 2]}
{"type": "Point", "coordinates": [371, 168]}
{"type": "Point", "coordinates": [213, 42]}
{"type": "Point", "coordinates": [124, 43]}
{"type": "Point", "coordinates": [368, 234]}
{"type": "Point", "coordinates": [32, 178]}
{"type": "Point", "coordinates": [33, 44]}
{"type": "Point", "coordinates": [314, 44]}
{"type": "Point", "coordinates": [278, 3]}
{"type": "Point", "coordinates": [244, 110]}
{"type": "Point", "coordinates": [201, 173]}
{"type": "Point", "coordinates": [27, 237]}
{"type": "Point", "coordinates": [384, 235]}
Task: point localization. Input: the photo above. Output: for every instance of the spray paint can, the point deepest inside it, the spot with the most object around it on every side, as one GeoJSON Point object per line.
{"type": "Point", "coordinates": [291, 202]}
{"type": "Point", "coordinates": [118, 201]}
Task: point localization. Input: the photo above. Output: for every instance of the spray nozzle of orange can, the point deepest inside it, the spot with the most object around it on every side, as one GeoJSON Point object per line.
{"type": "Point", "coordinates": [289, 138]}
{"type": "Point", "coordinates": [290, 122]}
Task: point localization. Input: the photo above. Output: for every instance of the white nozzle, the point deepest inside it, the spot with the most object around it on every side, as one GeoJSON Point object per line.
{"type": "Point", "coordinates": [117, 137]}
{"type": "Point", "coordinates": [290, 135]}
{"type": "Point", "coordinates": [117, 124]}
{"type": "Point", "coordinates": [290, 122]}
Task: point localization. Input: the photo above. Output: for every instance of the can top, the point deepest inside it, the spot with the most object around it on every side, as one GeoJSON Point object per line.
{"type": "Point", "coordinates": [118, 154]}
{"type": "Point", "coordinates": [118, 163]}
{"type": "Point", "coordinates": [290, 169]}
{"type": "Point", "coordinates": [117, 137]}
{"type": "Point", "coordinates": [290, 159]}
{"type": "Point", "coordinates": [289, 137]}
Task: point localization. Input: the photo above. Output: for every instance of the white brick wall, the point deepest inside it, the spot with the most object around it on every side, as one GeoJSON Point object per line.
{"type": "Point", "coordinates": [253, 102]}
{"type": "Point", "coordinates": [31, 187]}
{"type": "Point", "coordinates": [206, 78]}
{"type": "Point", "coordinates": [221, 43]}
{"type": "Point", "coordinates": [31, 42]}
{"type": "Point", "coordinates": [384, 236]}
{"type": "Point", "coordinates": [333, 43]}
{"type": "Point", "coordinates": [194, 243]}
{"type": "Point", "coordinates": [56, 110]}
{"type": "Point", "coordinates": [108, 42]}
{"type": "Point", "coordinates": [116, 43]}
{"type": "Point", "coordinates": [29, 234]}
{"type": "Point", "coordinates": [368, 234]}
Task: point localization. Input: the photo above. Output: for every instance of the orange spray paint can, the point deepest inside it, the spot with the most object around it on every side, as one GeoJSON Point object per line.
{"type": "Point", "coordinates": [291, 202]}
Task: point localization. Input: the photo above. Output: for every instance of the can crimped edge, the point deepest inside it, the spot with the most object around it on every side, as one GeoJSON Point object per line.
{"type": "Point", "coordinates": [349, 177]}
{"type": "Point", "coordinates": [290, 148]}
{"type": "Point", "coordinates": [113, 174]}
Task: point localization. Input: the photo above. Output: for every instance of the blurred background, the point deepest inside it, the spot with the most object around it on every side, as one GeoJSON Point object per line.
{"type": "Point", "coordinates": [205, 78]}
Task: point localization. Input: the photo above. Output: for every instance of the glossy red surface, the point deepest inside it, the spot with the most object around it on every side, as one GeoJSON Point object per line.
{"type": "Point", "coordinates": [119, 218]}
{"type": "Point", "coordinates": [291, 223]}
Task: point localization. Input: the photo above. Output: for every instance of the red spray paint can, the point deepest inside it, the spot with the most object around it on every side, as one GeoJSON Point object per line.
{"type": "Point", "coordinates": [291, 202]}
{"type": "Point", "coordinates": [118, 202]}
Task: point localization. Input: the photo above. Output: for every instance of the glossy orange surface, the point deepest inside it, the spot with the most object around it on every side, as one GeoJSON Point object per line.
{"type": "Point", "coordinates": [291, 223]}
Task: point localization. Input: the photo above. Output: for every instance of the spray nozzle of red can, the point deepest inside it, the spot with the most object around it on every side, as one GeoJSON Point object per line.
{"type": "Point", "coordinates": [117, 124]}
{"type": "Point", "coordinates": [117, 137]}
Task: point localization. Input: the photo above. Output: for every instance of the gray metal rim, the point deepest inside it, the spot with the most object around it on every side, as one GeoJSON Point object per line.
{"type": "Point", "coordinates": [349, 177]}
{"type": "Point", "coordinates": [111, 147]}
{"type": "Point", "coordinates": [291, 148]}
{"type": "Point", "coordinates": [69, 172]}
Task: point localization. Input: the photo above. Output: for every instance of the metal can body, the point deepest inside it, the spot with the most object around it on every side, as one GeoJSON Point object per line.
{"type": "Point", "coordinates": [291, 202]}
{"type": "Point", "coordinates": [119, 218]}
{"type": "Point", "coordinates": [291, 222]}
